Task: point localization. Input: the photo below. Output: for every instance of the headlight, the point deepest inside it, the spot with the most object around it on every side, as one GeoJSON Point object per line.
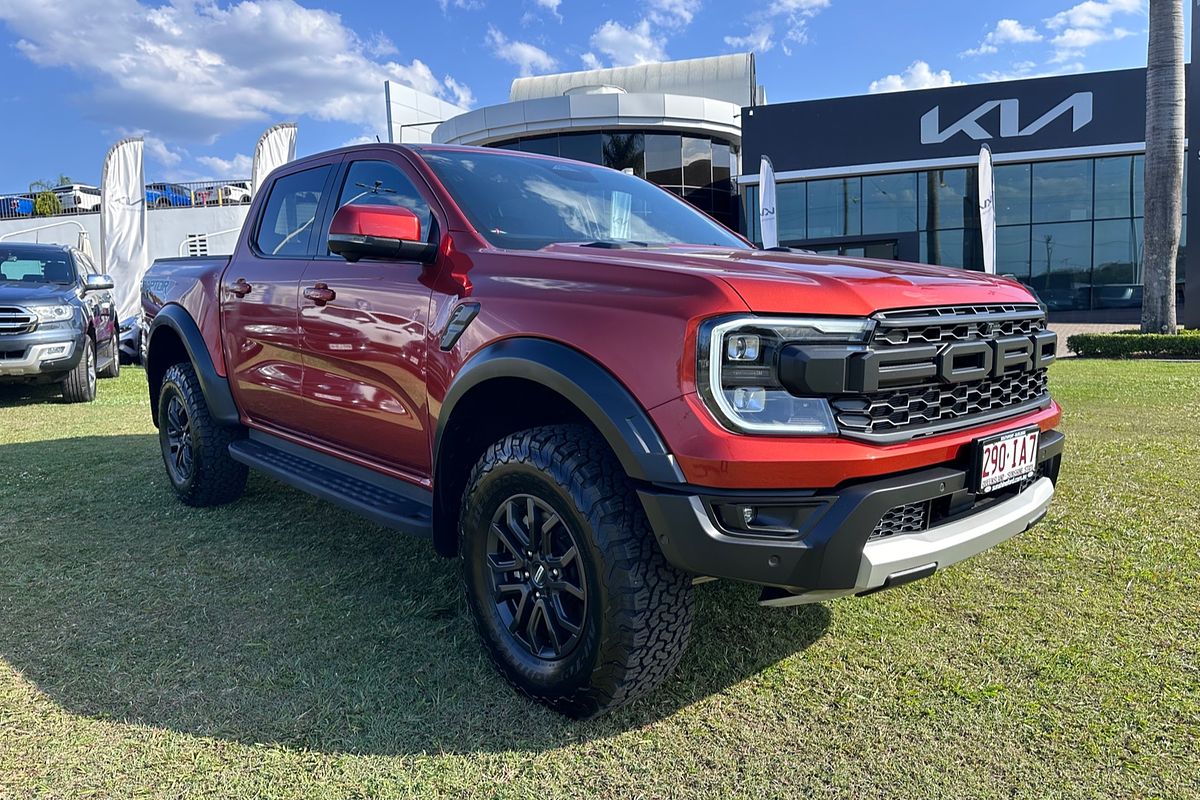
{"type": "Point", "coordinates": [52, 313]}
{"type": "Point", "coordinates": [737, 371]}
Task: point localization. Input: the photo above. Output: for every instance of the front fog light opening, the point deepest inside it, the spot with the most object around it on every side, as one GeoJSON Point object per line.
{"type": "Point", "coordinates": [51, 352]}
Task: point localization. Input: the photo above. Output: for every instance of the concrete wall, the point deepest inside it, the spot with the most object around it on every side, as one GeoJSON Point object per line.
{"type": "Point", "coordinates": [167, 228]}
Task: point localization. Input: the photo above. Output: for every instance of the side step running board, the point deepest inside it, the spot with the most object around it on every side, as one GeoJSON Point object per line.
{"type": "Point", "coordinates": [368, 498]}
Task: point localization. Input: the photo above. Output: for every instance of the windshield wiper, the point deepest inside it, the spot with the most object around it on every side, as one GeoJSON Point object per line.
{"type": "Point", "coordinates": [608, 244]}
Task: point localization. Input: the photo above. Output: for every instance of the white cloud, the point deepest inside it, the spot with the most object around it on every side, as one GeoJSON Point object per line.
{"type": "Point", "coordinates": [158, 150]}
{"type": "Point", "coordinates": [918, 76]}
{"type": "Point", "coordinates": [1007, 31]}
{"type": "Point", "coordinates": [196, 70]}
{"type": "Point", "coordinates": [460, 94]}
{"type": "Point", "coordinates": [548, 5]}
{"type": "Point", "coordinates": [793, 15]}
{"type": "Point", "coordinates": [673, 13]}
{"type": "Point", "coordinates": [1028, 69]}
{"type": "Point", "coordinates": [624, 46]}
{"type": "Point", "coordinates": [1088, 24]}
{"type": "Point", "coordinates": [759, 39]}
{"type": "Point", "coordinates": [528, 58]}
{"type": "Point", "coordinates": [237, 167]}
{"type": "Point", "coordinates": [466, 5]}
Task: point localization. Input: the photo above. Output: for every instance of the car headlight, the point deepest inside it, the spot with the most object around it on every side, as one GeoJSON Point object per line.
{"type": "Point", "coordinates": [52, 313]}
{"type": "Point", "coordinates": [737, 371]}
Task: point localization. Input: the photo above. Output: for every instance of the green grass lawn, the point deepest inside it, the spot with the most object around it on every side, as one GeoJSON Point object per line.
{"type": "Point", "coordinates": [283, 647]}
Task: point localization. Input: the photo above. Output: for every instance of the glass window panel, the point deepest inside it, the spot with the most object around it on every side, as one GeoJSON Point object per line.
{"type": "Point", "coordinates": [1117, 264]}
{"type": "Point", "coordinates": [1012, 251]}
{"type": "Point", "coordinates": [1114, 187]}
{"type": "Point", "coordinates": [834, 208]}
{"type": "Point", "coordinates": [664, 159]}
{"type": "Point", "coordinates": [949, 199]}
{"type": "Point", "coordinates": [1062, 191]}
{"type": "Point", "coordinates": [889, 203]}
{"type": "Point", "coordinates": [546, 145]}
{"type": "Point", "coordinates": [287, 220]}
{"type": "Point", "coordinates": [1139, 184]}
{"type": "Point", "coordinates": [585, 147]}
{"type": "Point", "coordinates": [697, 162]}
{"type": "Point", "coordinates": [1061, 263]}
{"type": "Point", "coordinates": [625, 151]}
{"type": "Point", "coordinates": [956, 248]}
{"type": "Point", "coordinates": [721, 170]}
{"type": "Point", "coordinates": [1012, 194]}
{"type": "Point", "coordinates": [750, 213]}
{"type": "Point", "coordinates": [700, 198]}
{"type": "Point", "coordinates": [789, 211]}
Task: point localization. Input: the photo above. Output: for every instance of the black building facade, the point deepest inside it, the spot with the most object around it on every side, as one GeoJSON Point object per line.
{"type": "Point", "coordinates": [895, 176]}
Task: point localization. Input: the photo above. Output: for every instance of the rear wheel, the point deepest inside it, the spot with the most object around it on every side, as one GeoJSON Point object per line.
{"type": "Point", "coordinates": [195, 448]}
{"type": "Point", "coordinates": [80, 384]}
{"type": "Point", "coordinates": [573, 599]}
{"type": "Point", "coordinates": [113, 370]}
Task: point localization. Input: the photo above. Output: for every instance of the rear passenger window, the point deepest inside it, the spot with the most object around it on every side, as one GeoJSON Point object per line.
{"type": "Point", "coordinates": [379, 183]}
{"type": "Point", "coordinates": [287, 220]}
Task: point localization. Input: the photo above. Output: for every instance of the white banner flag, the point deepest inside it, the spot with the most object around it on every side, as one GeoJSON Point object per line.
{"type": "Point", "coordinates": [767, 222]}
{"type": "Point", "coordinates": [987, 209]}
{"type": "Point", "coordinates": [123, 247]}
{"type": "Point", "coordinates": [276, 147]}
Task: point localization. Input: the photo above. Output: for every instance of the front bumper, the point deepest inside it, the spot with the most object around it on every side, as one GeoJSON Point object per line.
{"type": "Point", "coordinates": [832, 552]}
{"type": "Point", "coordinates": [40, 354]}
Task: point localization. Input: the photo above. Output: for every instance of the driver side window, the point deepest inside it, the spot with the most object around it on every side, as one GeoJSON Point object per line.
{"type": "Point", "coordinates": [380, 183]}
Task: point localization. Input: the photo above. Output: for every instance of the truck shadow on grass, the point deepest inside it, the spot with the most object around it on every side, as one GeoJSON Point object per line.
{"type": "Point", "coordinates": [29, 394]}
{"type": "Point", "coordinates": [283, 620]}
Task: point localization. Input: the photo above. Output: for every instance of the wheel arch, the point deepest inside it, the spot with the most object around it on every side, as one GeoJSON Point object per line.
{"type": "Point", "coordinates": [174, 337]}
{"type": "Point", "coordinates": [556, 384]}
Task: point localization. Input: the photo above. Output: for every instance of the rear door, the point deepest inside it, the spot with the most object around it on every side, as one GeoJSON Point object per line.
{"type": "Point", "coordinates": [259, 291]}
{"type": "Point", "coordinates": [364, 349]}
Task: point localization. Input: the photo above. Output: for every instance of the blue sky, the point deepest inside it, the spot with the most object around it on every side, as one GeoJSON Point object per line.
{"type": "Point", "coordinates": [200, 79]}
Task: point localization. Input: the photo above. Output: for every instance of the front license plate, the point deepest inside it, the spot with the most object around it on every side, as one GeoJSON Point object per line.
{"type": "Point", "coordinates": [1005, 459]}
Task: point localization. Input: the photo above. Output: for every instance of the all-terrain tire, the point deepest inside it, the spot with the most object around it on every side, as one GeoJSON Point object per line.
{"type": "Point", "coordinates": [195, 448]}
{"type": "Point", "coordinates": [638, 610]}
{"type": "Point", "coordinates": [80, 384]}
{"type": "Point", "coordinates": [113, 370]}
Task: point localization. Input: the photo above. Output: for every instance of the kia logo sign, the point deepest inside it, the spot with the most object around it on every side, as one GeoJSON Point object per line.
{"type": "Point", "coordinates": [1078, 106]}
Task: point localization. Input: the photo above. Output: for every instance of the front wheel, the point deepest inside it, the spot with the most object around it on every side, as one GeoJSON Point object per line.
{"type": "Point", "coordinates": [195, 447]}
{"type": "Point", "coordinates": [80, 384]}
{"type": "Point", "coordinates": [575, 603]}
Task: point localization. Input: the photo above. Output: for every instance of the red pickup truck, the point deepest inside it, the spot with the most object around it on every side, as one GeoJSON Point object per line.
{"type": "Point", "coordinates": [593, 396]}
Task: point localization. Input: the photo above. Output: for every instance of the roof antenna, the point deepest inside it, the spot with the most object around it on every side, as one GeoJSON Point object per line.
{"type": "Point", "coordinates": [377, 139]}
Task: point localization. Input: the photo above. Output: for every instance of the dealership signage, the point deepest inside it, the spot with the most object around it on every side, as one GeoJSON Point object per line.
{"type": "Point", "coordinates": [1060, 113]}
{"type": "Point", "coordinates": [1078, 106]}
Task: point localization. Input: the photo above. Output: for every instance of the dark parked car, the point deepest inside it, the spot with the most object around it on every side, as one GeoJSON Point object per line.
{"type": "Point", "coordinates": [57, 319]}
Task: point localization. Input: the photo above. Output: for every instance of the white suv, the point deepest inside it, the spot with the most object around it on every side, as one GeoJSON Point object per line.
{"type": "Point", "coordinates": [77, 198]}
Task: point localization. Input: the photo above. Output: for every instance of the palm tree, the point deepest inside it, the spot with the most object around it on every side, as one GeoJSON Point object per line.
{"type": "Point", "coordinates": [1164, 164]}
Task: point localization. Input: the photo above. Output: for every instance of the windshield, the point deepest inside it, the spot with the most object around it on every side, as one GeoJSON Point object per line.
{"type": "Point", "coordinates": [527, 203]}
{"type": "Point", "coordinates": [26, 267]}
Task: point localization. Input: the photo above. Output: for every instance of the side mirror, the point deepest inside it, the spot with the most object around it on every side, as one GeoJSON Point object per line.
{"type": "Point", "coordinates": [383, 232]}
{"type": "Point", "coordinates": [96, 283]}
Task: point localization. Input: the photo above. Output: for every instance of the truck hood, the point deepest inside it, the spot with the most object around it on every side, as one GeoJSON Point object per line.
{"type": "Point", "coordinates": [41, 294]}
{"type": "Point", "coordinates": [793, 282]}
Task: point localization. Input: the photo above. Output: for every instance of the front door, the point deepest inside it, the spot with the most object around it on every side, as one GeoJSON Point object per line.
{"type": "Point", "coordinates": [363, 332]}
{"type": "Point", "coordinates": [259, 293]}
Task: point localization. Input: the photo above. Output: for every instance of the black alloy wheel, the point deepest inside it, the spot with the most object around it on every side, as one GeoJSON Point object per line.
{"type": "Point", "coordinates": [177, 441]}
{"type": "Point", "coordinates": [537, 578]}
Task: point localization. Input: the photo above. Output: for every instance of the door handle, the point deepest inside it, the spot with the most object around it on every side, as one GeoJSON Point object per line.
{"type": "Point", "coordinates": [240, 288]}
{"type": "Point", "coordinates": [319, 294]}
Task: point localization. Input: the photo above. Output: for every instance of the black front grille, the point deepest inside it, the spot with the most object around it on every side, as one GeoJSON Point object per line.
{"type": "Point", "coordinates": [932, 404]}
{"type": "Point", "coordinates": [911, 518]}
{"type": "Point", "coordinates": [927, 405]}
{"type": "Point", "coordinates": [11, 355]}
{"type": "Point", "coordinates": [14, 319]}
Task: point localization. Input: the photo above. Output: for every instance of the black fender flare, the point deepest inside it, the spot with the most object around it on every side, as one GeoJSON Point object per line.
{"type": "Point", "coordinates": [213, 385]}
{"type": "Point", "coordinates": [590, 387]}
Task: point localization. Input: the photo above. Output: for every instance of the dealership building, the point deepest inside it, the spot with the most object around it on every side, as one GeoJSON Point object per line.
{"type": "Point", "coordinates": [890, 176]}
